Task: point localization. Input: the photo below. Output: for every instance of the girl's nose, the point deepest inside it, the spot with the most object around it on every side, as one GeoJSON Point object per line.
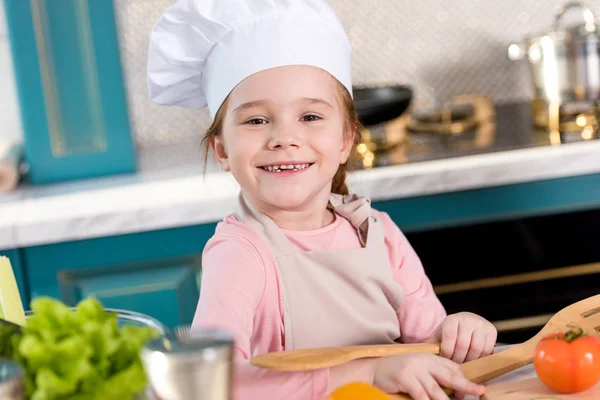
{"type": "Point", "coordinates": [283, 138]}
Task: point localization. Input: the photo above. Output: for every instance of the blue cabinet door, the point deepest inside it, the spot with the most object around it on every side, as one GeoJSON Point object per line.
{"type": "Point", "coordinates": [155, 273]}
{"type": "Point", "coordinates": [71, 91]}
{"type": "Point", "coordinates": [167, 291]}
{"type": "Point", "coordinates": [15, 260]}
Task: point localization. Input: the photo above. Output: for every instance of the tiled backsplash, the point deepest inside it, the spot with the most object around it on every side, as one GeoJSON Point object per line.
{"type": "Point", "coordinates": [10, 119]}
{"type": "Point", "coordinates": [439, 47]}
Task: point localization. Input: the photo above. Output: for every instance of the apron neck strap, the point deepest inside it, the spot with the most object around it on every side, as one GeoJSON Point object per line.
{"type": "Point", "coordinates": [264, 226]}
{"type": "Point", "coordinates": [357, 210]}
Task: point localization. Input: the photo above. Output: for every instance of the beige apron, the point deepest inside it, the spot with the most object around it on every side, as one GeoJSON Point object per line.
{"type": "Point", "coordinates": [334, 297]}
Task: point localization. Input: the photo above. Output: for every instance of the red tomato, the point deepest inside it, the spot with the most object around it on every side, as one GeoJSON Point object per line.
{"type": "Point", "coordinates": [568, 362]}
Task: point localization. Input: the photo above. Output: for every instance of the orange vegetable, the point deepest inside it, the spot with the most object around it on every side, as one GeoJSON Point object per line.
{"type": "Point", "coordinates": [568, 362]}
{"type": "Point", "coordinates": [358, 391]}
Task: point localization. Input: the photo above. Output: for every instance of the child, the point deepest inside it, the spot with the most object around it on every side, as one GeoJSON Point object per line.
{"type": "Point", "coordinates": [301, 263]}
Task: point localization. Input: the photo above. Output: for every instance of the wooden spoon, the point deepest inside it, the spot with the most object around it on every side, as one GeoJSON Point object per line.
{"type": "Point", "coordinates": [308, 359]}
{"type": "Point", "coordinates": [585, 314]}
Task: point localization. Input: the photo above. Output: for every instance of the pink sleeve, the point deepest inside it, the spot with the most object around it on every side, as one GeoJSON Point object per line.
{"type": "Point", "coordinates": [232, 289]}
{"type": "Point", "coordinates": [421, 310]}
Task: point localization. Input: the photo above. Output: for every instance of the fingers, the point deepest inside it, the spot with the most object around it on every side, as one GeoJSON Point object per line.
{"type": "Point", "coordinates": [465, 338]}
{"type": "Point", "coordinates": [482, 343]}
{"type": "Point", "coordinates": [490, 342]}
{"type": "Point", "coordinates": [453, 378]}
{"type": "Point", "coordinates": [415, 389]}
{"type": "Point", "coordinates": [463, 342]}
{"type": "Point", "coordinates": [423, 376]}
{"type": "Point", "coordinates": [478, 345]}
{"type": "Point", "coordinates": [448, 338]}
{"type": "Point", "coordinates": [432, 389]}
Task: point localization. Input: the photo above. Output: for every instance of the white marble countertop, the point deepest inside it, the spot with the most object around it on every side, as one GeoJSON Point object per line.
{"type": "Point", "coordinates": [181, 196]}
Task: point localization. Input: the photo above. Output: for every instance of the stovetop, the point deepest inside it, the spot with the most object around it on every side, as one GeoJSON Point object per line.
{"type": "Point", "coordinates": [512, 128]}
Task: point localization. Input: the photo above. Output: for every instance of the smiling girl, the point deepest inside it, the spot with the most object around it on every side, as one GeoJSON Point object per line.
{"type": "Point", "coordinates": [301, 262]}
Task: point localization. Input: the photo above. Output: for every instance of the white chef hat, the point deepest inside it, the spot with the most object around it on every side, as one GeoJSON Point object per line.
{"type": "Point", "coordinates": [201, 49]}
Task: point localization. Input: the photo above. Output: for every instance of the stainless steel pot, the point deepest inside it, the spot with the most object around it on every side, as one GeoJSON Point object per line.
{"type": "Point", "coordinates": [194, 366]}
{"type": "Point", "coordinates": [564, 62]}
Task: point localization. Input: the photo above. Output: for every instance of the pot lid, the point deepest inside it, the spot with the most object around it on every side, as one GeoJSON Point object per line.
{"type": "Point", "coordinates": [584, 30]}
{"type": "Point", "coordinates": [589, 27]}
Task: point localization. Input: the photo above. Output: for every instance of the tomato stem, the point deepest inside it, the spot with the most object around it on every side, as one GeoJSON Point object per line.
{"type": "Point", "coordinates": [572, 334]}
{"type": "Point", "coordinates": [569, 336]}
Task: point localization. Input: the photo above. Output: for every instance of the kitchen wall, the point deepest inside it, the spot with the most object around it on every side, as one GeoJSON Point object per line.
{"type": "Point", "coordinates": [10, 120]}
{"type": "Point", "coordinates": [440, 47]}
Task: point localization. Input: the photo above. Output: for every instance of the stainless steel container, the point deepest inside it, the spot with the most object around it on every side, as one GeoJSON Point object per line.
{"type": "Point", "coordinates": [564, 62]}
{"type": "Point", "coordinates": [11, 381]}
{"type": "Point", "coordinates": [198, 366]}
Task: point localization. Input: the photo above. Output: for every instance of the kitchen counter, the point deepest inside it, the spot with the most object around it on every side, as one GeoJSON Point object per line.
{"type": "Point", "coordinates": [181, 196]}
{"type": "Point", "coordinates": [519, 374]}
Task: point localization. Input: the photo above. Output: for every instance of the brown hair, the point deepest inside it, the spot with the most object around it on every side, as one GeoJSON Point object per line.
{"type": "Point", "coordinates": [351, 126]}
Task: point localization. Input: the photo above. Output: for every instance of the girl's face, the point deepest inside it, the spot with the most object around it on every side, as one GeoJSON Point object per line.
{"type": "Point", "coordinates": [283, 137]}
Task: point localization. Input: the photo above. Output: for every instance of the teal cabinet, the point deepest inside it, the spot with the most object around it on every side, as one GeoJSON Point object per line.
{"type": "Point", "coordinates": [15, 260]}
{"type": "Point", "coordinates": [168, 291]}
{"type": "Point", "coordinates": [155, 273]}
{"type": "Point", "coordinates": [70, 85]}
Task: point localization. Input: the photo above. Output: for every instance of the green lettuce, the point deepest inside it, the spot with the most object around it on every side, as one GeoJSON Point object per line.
{"type": "Point", "coordinates": [80, 354]}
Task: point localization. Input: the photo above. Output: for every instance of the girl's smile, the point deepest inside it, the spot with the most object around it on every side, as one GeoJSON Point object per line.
{"type": "Point", "coordinates": [283, 138]}
{"type": "Point", "coordinates": [286, 168]}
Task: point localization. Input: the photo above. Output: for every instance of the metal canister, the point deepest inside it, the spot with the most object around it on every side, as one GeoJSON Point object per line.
{"type": "Point", "coordinates": [197, 366]}
{"type": "Point", "coordinates": [11, 381]}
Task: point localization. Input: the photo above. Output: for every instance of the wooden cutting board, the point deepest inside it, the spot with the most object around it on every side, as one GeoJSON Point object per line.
{"type": "Point", "coordinates": [534, 389]}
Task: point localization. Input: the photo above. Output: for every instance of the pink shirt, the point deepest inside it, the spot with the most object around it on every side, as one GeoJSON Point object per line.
{"type": "Point", "coordinates": [240, 293]}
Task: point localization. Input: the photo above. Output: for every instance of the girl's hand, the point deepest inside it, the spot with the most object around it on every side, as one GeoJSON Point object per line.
{"type": "Point", "coordinates": [422, 376]}
{"type": "Point", "coordinates": [465, 337]}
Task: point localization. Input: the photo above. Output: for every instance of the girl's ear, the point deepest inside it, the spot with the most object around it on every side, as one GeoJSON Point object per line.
{"type": "Point", "coordinates": [348, 143]}
{"type": "Point", "coordinates": [218, 148]}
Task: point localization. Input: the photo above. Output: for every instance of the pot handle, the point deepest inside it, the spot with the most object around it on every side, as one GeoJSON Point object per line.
{"type": "Point", "coordinates": [588, 15]}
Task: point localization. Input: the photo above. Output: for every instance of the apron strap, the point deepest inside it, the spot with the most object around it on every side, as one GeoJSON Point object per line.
{"type": "Point", "coordinates": [264, 226]}
{"type": "Point", "coordinates": [357, 210]}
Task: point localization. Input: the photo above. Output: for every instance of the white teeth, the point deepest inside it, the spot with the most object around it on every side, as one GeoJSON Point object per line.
{"type": "Point", "coordinates": [279, 168]}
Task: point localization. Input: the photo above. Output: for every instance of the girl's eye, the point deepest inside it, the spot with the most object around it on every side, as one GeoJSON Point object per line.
{"type": "Point", "coordinates": [256, 121]}
{"type": "Point", "coordinates": [311, 118]}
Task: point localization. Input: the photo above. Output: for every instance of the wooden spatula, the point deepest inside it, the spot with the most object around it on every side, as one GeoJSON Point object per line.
{"type": "Point", "coordinates": [308, 359]}
{"type": "Point", "coordinates": [585, 314]}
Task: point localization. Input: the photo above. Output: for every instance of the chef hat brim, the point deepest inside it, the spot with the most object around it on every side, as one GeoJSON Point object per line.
{"type": "Point", "coordinates": [196, 60]}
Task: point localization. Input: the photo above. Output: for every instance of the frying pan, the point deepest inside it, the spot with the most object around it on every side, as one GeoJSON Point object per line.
{"type": "Point", "coordinates": [381, 104]}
